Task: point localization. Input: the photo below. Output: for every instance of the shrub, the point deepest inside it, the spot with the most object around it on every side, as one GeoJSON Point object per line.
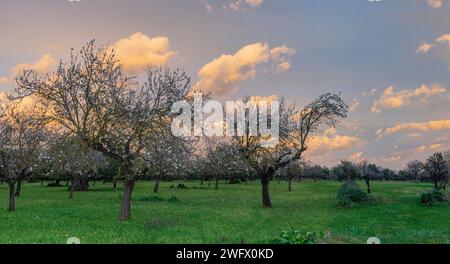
{"type": "Point", "coordinates": [433, 197]}
{"type": "Point", "coordinates": [173, 199]}
{"type": "Point", "coordinates": [151, 198]}
{"type": "Point", "coordinates": [350, 194]}
{"type": "Point", "coordinates": [296, 237]}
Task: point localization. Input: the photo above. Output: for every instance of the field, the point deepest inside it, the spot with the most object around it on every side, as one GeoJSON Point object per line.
{"type": "Point", "coordinates": [232, 214]}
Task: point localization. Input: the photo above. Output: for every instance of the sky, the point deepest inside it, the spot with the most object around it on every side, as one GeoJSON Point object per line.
{"type": "Point", "coordinates": [389, 59]}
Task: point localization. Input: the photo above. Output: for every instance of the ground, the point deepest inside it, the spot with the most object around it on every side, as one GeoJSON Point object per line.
{"type": "Point", "coordinates": [232, 214]}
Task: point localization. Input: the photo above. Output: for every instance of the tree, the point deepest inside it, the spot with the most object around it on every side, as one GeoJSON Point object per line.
{"type": "Point", "coordinates": [91, 98]}
{"type": "Point", "coordinates": [295, 128]}
{"type": "Point", "coordinates": [167, 156]}
{"type": "Point", "coordinates": [21, 136]}
{"type": "Point", "coordinates": [224, 158]}
{"type": "Point", "coordinates": [293, 170]}
{"type": "Point", "coordinates": [437, 168]}
{"type": "Point", "coordinates": [414, 169]}
{"type": "Point", "coordinates": [349, 170]}
{"type": "Point", "coordinates": [75, 161]}
{"type": "Point", "coordinates": [363, 166]}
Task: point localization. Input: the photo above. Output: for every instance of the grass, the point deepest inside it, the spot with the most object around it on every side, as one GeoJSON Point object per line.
{"type": "Point", "coordinates": [232, 214]}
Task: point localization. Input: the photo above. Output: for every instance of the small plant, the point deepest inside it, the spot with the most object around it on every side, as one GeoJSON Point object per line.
{"type": "Point", "coordinates": [182, 186]}
{"type": "Point", "coordinates": [151, 198]}
{"type": "Point", "coordinates": [296, 237]}
{"type": "Point", "coordinates": [351, 194]}
{"type": "Point", "coordinates": [433, 197]}
{"type": "Point", "coordinates": [173, 199]}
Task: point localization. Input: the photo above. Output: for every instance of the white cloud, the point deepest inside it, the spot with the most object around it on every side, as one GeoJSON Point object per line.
{"type": "Point", "coordinates": [434, 125]}
{"type": "Point", "coordinates": [221, 75]}
{"type": "Point", "coordinates": [4, 80]}
{"type": "Point", "coordinates": [42, 66]}
{"type": "Point", "coordinates": [356, 157]}
{"type": "Point", "coordinates": [435, 3]}
{"type": "Point", "coordinates": [369, 93]}
{"type": "Point", "coordinates": [393, 100]}
{"type": "Point", "coordinates": [319, 145]}
{"type": "Point", "coordinates": [424, 48]}
{"type": "Point", "coordinates": [242, 5]}
{"type": "Point", "coordinates": [445, 38]}
{"type": "Point", "coordinates": [282, 55]}
{"type": "Point", "coordinates": [139, 51]}
{"type": "Point", "coordinates": [354, 105]}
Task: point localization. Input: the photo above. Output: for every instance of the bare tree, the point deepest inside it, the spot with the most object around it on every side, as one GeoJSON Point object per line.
{"type": "Point", "coordinates": [437, 168]}
{"type": "Point", "coordinates": [90, 97]}
{"type": "Point", "coordinates": [323, 112]}
{"type": "Point", "coordinates": [414, 169]}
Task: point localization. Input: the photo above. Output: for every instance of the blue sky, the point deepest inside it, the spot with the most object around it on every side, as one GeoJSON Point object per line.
{"type": "Point", "coordinates": [352, 46]}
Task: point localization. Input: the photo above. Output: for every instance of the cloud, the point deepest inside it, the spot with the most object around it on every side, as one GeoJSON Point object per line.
{"type": "Point", "coordinates": [282, 55]}
{"type": "Point", "coordinates": [42, 66]}
{"type": "Point", "coordinates": [445, 38]}
{"type": "Point", "coordinates": [139, 51]}
{"type": "Point", "coordinates": [254, 3]}
{"type": "Point", "coordinates": [356, 157]}
{"type": "Point", "coordinates": [242, 5]}
{"type": "Point", "coordinates": [435, 3]}
{"type": "Point", "coordinates": [369, 93]}
{"type": "Point", "coordinates": [393, 100]}
{"type": "Point", "coordinates": [354, 105]}
{"type": "Point", "coordinates": [221, 75]}
{"type": "Point", "coordinates": [4, 80]}
{"type": "Point", "coordinates": [319, 145]}
{"type": "Point", "coordinates": [424, 48]}
{"type": "Point", "coordinates": [435, 125]}
{"type": "Point", "coordinates": [208, 7]}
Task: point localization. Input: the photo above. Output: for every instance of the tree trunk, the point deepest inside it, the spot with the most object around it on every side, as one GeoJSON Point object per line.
{"type": "Point", "coordinates": [217, 182]}
{"type": "Point", "coordinates": [368, 185]}
{"type": "Point", "coordinates": [81, 185]}
{"type": "Point", "coordinates": [290, 184]}
{"type": "Point", "coordinates": [72, 189]}
{"type": "Point", "coordinates": [12, 202]}
{"type": "Point", "coordinates": [114, 184]}
{"type": "Point", "coordinates": [18, 188]}
{"type": "Point", "coordinates": [156, 187]}
{"type": "Point", "coordinates": [265, 180]}
{"type": "Point", "coordinates": [125, 211]}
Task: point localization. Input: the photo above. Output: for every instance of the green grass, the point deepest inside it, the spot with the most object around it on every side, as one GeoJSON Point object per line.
{"type": "Point", "coordinates": [232, 214]}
